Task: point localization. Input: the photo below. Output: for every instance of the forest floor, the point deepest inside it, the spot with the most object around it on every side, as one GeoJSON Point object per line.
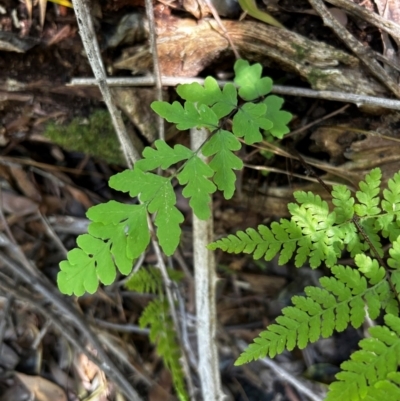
{"type": "Point", "coordinates": [58, 150]}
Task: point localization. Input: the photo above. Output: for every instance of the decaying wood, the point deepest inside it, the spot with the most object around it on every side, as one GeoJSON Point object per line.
{"type": "Point", "coordinates": [186, 47]}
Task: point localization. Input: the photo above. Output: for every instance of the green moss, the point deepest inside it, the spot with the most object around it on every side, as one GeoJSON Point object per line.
{"type": "Point", "coordinates": [94, 136]}
{"type": "Point", "coordinates": [319, 79]}
{"type": "Point", "coordinates": [300, 51]}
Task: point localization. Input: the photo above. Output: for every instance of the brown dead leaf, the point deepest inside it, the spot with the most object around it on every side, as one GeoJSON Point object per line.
{"type": "Point", "coordinates": [28, 5]}
{"type": "Point", "coordinates": [87, 369]}
{"type": "Point", "coordinates": [60, 35]}
{"type": "Point", "coordinates": [160, 391]}
{"type": "Point", "coordinates": [267, 285]}
{"type": "Point", "coordinates": [25, 183]}
{"type": "Point", "coordinates": [52, 204]}
{"type": "Point", "coordinates": [42, 389]}
{"type": "Point", "coordinates": [17, 205]}
{"type": "Point", "coordinates": [79, 196]}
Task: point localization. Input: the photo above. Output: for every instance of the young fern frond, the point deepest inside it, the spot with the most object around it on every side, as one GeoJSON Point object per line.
{"type": "Point", "coordinates": [162, 334]}
{"type": "Point", "coordinates": [156, 315]}
{"type": "Point", "coordinates": [149, 280]}
{"type": "Point", "coordinates": [119, 233]}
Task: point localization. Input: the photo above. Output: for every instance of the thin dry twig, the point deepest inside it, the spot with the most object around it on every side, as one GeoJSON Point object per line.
{"type": "Point", "coordinates": [86, 30]}
{"type": "Point", "coordinates": [51, 234]}
{"type": "Point", "coordinates": [286, 376]}
{"type": "Point", "coordinates": [223, 29]}
{"type": "Point", "coordinates": [41, 285]}
{"type": "Point", "coordinates": [65, 329]}
{"type": "Point", "coordinates": [156, 63]}
{"type": "Point", "coordinates": [317, 121]}
{"type": "Point", "coordinates": [374, 19]}
{"type": "Point", "coordinates": [359, 100]}
{"type": "Point", "coordinates": [168, 290]}
{"type": "Point", "coordinates": [363, 53]}
{"type": "Point", "coordinates": [6, 310]}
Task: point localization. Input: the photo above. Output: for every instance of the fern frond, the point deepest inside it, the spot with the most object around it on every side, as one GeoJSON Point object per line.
{"type": "Point", "coordinates": [389, 223]}
{"type": "Point", "coordinates": [313, 217]}
{"type": "Point", "coordinates": [190, 115]}
{"type": "Point", "coordinates": [371, 373]}
{"type": "Point", "coordinates": [115, 238]}
{"type": "Point", "coordinates": [163, 156]}
{"type": "Point", "coordinates": [332, 307]}
{"type": "Point", "coordinates": [162, 334]}
{"type": "Point", "coordinates": [222, 102]}
{"type": "Point", "coordinates": [266, 242]}
{"type": "Point", "coordinates": [368, 195]}
{"type": "Point", "coordinates": [222, 145]}
{"type": "Point", "coordinates": [149, 280]}
{"type": "Point", "coordinates": [344, 203]}
{"type": "Point", "coordinates": [145, 280]}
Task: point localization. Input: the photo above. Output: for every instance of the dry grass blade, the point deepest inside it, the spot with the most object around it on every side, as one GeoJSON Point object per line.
{"type": "Point", "coordinates": [42, 11]}
{"type": "Point", "coordinates": [28, 5]}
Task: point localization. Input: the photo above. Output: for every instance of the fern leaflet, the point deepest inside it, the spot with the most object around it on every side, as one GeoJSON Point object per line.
{"type": "Point", "coordinates": [162, 333]}
{"type": "Point", "coordinates": [332, 307]}
{"type": "Point", "coordinates": [222, 102]}
{"type": "Point", "coordinates": [371, 373]}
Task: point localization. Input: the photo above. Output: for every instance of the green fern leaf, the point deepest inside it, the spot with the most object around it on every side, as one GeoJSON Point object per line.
{"type": "Point", "coordinates": [85, 266]}
{"type": "Point", "coordinates": [248, 121]}
{"type": "Point", "coordinates": [248, 78]}
{"type": "Point", "coordinates": [222, 144]}
{"type": "Point", "coordinates": [370, 229]}
{"type": "Point", "coordinates": [118, 234]}
{"type": "Point", "coordinates": [163, 156]}
{"type": "Point", "coordinates": [188, 116]}
{"type": "Point", "coordinates": [332, 307]}
{"type": "Point", "coordinates": [279, 118]}
{"type": "Point", "coordinates": [156, 316]}
{"type": "Point", "coordinates": [313, 217]}
{"type": "Point", "coordinates": [368, 195]}
{"type": "Point", "coordinates": [137, 183]}
{"type": "Point", "coordinates": [128, 219]}
{"type": "Point", "coordinates": [389, 222]}
{"type": "Point", "coordinates": [394, 252]}
{"type": "Point", "coordinates": [159, 197]}
{"type": "Point", "coordinates": [196, 175]}
{"type": "Point", "coordinates": [344, 203]}
{"type": "Point", "coordinates": [372, 368]}
{"type": "Point", "coordinates": [168, 218]}
{"type": "Point", "coordinates": [120, 247]}
{"type": "Point", "coordinates": [149, 280]}
{"type": "Point", "coordinates": [391, 201]}
{"type": "Point", "coordinates": [267, 243]}
{"type": "Point", "coordinates": [222, 102]}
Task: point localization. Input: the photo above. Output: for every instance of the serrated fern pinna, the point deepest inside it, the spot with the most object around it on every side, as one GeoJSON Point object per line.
{"type": "Point", "coordinates": [316, 235]}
